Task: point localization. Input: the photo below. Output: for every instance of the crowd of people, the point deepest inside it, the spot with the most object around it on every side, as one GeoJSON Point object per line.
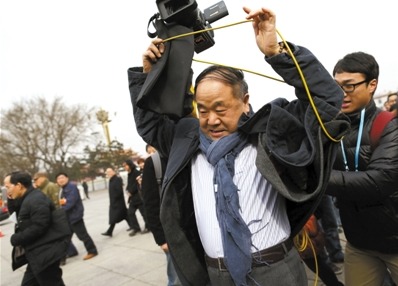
{"type": "Point", "coordinates": [226, 191]}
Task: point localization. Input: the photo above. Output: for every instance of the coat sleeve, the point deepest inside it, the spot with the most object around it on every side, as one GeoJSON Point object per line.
{"type": "Point", "coordinates": [34, 219]}
{"type": "Point", "coordinates": [378, 180]}
{"type": "Point", "coordinates": [72, 195]}
{"type": "Point", "coordinates": [155, 129]}
{"type": "Point", "coordinates": [151, 196]}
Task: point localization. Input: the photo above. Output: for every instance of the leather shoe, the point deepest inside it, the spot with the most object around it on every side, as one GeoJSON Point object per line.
{"type": "Point", "coordinates": [89, 256]}
{"type": "Point", "coordinates": [145, 231]}
{"type": "Point", "coordinates": [107, 234]}
{"type": "Point", "coordinates": [133, 232]}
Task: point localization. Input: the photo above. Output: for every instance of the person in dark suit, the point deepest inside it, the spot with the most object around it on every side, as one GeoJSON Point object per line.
{"type": "Point", "coordinates": [151, 195]}
{"type": "Point", "coordinates": [238, 186]}
{"type": "Point", "coordinates": [117, 206]}
{"type": "Point", "coordinates": [71, 202]}
{"type": "Point", "coordinates": [43, 251]}
{"type": "Point", "coordinates": [85, 188]}
{"type": "Point", "coordinates": [135, 199]}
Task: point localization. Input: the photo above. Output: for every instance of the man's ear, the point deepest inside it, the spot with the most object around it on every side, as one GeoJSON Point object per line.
{"type": "Point", "coordinates": [246, 102]}
{"type": "Point", "coordinates": [373, 85]}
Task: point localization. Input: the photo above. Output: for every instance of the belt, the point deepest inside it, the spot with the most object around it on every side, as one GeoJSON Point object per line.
{"type": "Point", "coordinates": [264, 257]}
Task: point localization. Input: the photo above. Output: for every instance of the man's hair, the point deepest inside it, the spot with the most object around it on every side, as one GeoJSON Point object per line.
{"type": "Point", "coordinates": [130, 163]}
{"type": "Point", "coordinates": [111, 167]}
{"type": "Point", "coordinates": [391, 94]}
{"type": "Point", "coordinates": [61, 174]}
{"type": "Point", "coordinates": [230, 76]}
{"type": "Point", "coordinates": [358, 62]}
{"type": "Point", "coordinates": [24, 178]}
{"type": "Point", "coordinates": [40, 174]}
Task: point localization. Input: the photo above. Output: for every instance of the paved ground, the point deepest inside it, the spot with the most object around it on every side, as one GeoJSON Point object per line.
{"type": "Point", "coordinates": [122, 260]}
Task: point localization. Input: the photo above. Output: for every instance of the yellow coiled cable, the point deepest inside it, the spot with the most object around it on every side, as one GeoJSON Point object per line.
{"type": "Point", "coordinates": [257, 73]}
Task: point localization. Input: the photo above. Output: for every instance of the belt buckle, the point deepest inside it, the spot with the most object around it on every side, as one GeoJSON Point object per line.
{"type": "Point", "coordinates": [220, 264]}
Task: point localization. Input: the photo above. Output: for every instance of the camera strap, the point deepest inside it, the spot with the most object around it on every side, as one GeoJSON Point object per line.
{"type": "Point", "coordinates": [152, 21]}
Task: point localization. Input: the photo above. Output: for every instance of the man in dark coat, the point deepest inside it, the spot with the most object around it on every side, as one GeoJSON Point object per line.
{"type": "Point", "coordinates": [365, 177]}
{"type": "Point", "coordinates": [151, 195]}
{"type": "Point", "coordinates": [134, 200]}
{"type": "Point", "coordinates": [33, 209]}
{"type": "Point", "coordinates": [117, 205]}
{"type": "Point", "coordinates": [72, 203]}
{"type": "Point", "coordinates": [286, 159]}
{"type": "Point", "coordinates": [85, 188]}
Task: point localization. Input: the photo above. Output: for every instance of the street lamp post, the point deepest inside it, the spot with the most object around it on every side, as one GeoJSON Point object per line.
{"type": "Point", "coordinates": [103, 118]}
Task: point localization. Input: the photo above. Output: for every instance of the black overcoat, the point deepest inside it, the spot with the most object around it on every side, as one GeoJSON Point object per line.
{"type": "Point", "coordinates": [34, 219]}
{"type": "Point", "coordinates": [293, 153]}
{"type": "Point", "coordinates": [117, 206]}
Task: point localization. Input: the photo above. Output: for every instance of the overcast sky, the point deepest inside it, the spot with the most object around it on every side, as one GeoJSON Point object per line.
{"type": "Point", "coordinates": [81, 50]}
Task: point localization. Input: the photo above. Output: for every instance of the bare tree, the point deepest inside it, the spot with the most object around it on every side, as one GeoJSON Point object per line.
{"type": "Point", "coordinates": [40, 135]}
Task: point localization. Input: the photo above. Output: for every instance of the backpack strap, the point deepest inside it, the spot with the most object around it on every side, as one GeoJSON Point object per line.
{"type": "Point", "coordinates": [378, 126]}
{"type": "Point", "coordinates": [157, 165]}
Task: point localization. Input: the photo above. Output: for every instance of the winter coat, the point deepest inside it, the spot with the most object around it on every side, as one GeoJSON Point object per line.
{"type": "Point", "coordinates": [133, 188]}
{"type": "Point", "coordinates": [293, 154]}
{"type": "Point", "coordinates": [368, 199]}
{"type": "Point", "coordinates": [51, 190]}
{"type": "Point", "coordinates": [34, 220]}
{"type": "Point", "coordinates": [117, 205]}
{"type": "Point", "coordinates": [151, 197]}
{"type": "Point", "coordinates": [74, 206]}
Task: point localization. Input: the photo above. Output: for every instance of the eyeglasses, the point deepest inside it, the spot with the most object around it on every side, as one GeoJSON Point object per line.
{"type": "Point", "coordinates": [348, 88]}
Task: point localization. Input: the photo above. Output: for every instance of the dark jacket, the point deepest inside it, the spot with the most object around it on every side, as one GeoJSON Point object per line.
{"type": "Point", "coordinates": [74, 206]}
{"type": "Point", "coordinates": [151, 197]}
{"type": "Point", "coordinates": [117, 205]}
{"type": "Point", "coordinates": [368, 199]}
{"type": "Point", "coordinates": [294, 155]}
{"type": "Point", "coordinates": [34, 220]}
{"type": "Point", "coordinates": [133, 188]}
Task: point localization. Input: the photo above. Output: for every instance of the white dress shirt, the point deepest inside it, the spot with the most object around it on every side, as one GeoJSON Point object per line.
{"type": "Point", "coordinates": [261, 207]}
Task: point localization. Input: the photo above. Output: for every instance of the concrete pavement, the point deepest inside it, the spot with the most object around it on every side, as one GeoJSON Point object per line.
{"type": "Point", "coordinates": [122, 260]}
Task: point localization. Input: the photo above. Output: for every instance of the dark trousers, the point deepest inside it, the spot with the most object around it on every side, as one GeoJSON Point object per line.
{"type": "Point", "coordinates": [289, 271]}
{"type": "Point", "coordinates": [51, 276]}
{"type": "Point", "coordinates": [133, 218]}
{"type": "Point", "coordinates": [330, 225]}
{"type": "Point", "coordinates": [112, 226]}
{"type": "Point", "coordinates": [81, 232]}
{"type": "Point", "coordinates": [72, 251]}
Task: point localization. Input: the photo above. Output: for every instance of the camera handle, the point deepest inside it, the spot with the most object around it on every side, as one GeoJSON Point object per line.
{"type": "Point", "coordinates": [152, 20]}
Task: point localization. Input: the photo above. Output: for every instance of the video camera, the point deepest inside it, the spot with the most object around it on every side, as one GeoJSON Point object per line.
{"type": "Point", "coordinates": [186, 13]}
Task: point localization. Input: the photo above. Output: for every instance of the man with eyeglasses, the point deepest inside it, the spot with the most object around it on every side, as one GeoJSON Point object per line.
{"type": "Point", "coordinates": [365, 177]}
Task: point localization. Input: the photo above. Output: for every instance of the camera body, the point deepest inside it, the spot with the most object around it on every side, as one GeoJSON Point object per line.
{"type": "Point", "coordinates": [187, 13]}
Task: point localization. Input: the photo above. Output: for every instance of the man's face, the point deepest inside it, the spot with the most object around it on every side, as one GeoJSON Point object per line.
{"type": "Point", "coordinates": [392, 100]}
{"type": "Point", "coordinates": [110, 172]}
{"type": "Point", "coordinates": [219, 110]}
{"type": "Point", "coordinates": [141, 164]}
{"type": "Point", "coordinates": [361, 95]}
{"type": "Point", "coordinates": [62, 180]}
{"type": "Point", "coordinates": [38, 181]}
{"type": "Point", "coordinates": [126, 167]}
{"type": "Point", "coordinates": [151, 150]}
{"type": "Point", "coordinates": [13, 191]}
